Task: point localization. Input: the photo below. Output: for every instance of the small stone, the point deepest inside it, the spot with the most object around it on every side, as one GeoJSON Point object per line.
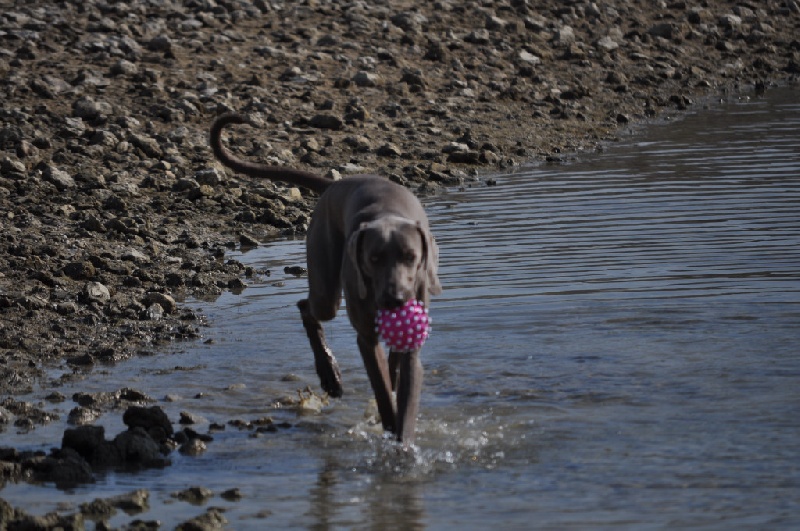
{"type": "Point", "coordinates": [209, 176]}
{"type": "Point", "coordinates": [665, 30]}
{"type": "Point", "coordinates": [326, 121]}
{"type": "Point", "coordinates": [148, 418]}
{"type": "Point", "coordinates": [162, 43]}
{"type": "Point", "coordinates": [165, 301]}
{"type": "Point", "coordinates": [96, 292]}
{"type": "Point", "coordinates": [233, 494]}
{"type": "Point", "coordinates": [247, 241]}
{"type": "Point", "coordinates": [81, 416]}
{"type": "Point", "coordinates": [295, 270]}
{"type": "Point", "coordinates": [154, 312]}
{"type": "Point", "coordinates": [413, 78]}
{"type": "Point", "coordinates": [211, 519]}
{"type": "Point", "coordinates": [455, 147]}
{"type": "Point", "coordinates": [195, 495]}
{"type": "Point", "coordinates": [358, 143]}
{"type": "Point", "coordinates": [366, 79]}
{"type": "Point", "coordinates": [730, 21]}
{"type": "Point", "coordinates": [311, 144]}
{"type": "Point", "coordinates": [80, 270]}
{"type": "Point", "coordinates": [563, 36]}
{"type": "Point", "coordinates": [61, 179]}
{"type": "Point", "coordinates": [480, 36]}
{"type": "Point", "coordinates": [190, 418]}
{"type": "Point", "coordinates": [464, 157]}
{"type": "Point", "coordinates": [409, 21]}
{"type": "Point", "coordinates": [529, 58]}
{"type": "Point", "coordinates": [698, 15]}
{"type": "Point", "coordinates": [132, 502]}
{"type": "Point", "coordinates": [193, 447]}
{"type": "Point", "coordinates": [26, 149]}
{"type": "Point", "coordinates": [149, 146]}
{"type": "Point", "coordinates": [495, 23]}
{"type": "Point", "coordinates": [293, 195]}
{"type": "Point", "coordinates": [9, 165]}
{"type": "Point", "coordinates": [606, 44]}
{"type": "Point", "coordinates": [88, 109]}
{"type": "Point", "coordinates": [389, 150]}
{"type": "Point", "coordinates": [124, 67]}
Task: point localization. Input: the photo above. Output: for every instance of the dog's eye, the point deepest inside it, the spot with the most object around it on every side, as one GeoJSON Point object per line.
{"type": "Point", "coordinates": [374, 258]}
{"type": "Point", "coordinates": [409, 257]}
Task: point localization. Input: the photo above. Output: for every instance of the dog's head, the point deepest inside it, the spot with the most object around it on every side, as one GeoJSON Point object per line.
{"type": "Point", "coordinates": [396, 259]}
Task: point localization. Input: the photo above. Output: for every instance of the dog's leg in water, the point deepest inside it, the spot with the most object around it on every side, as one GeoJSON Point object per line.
{"type": "Point", "coordinates": [378, 372]}
{"type": "Point", "coordinates": [327, 369]}
{"type": "Point", "coordinates": [409, 388]}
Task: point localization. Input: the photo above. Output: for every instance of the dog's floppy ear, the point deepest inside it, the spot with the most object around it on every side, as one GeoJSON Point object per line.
{"type": "Point", "coordinates": [354, 252]}
{"type": "Point", "coordinates": [430, 260]}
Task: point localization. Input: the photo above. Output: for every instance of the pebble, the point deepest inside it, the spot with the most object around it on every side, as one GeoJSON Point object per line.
{"type": "Point", "coordinates": [163, 300]}
{"type": "Point", "coordinates": [193, 447]}
{"type": "Point", "coordinates": [96, 292]}
{"type": "Point", "coordinates": [194, 495]}
{"type": "Point", "coordinates": [61, 179]}
{"type": "Point", "coordinates": [326, 121]}
{"type": "Point", "coordinates": [366, 79]}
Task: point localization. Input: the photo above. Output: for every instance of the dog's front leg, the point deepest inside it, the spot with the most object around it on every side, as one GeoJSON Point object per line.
{"type": "Point", "coordinates": [378, 372]}
{"type": "Point", "coordinates": [327, 368]}
{"type": "Point", "coordinates": [409, 388]}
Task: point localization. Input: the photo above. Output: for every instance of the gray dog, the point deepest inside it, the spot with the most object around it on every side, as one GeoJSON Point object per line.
{"type": "Point", "coordinates": [368, 237]}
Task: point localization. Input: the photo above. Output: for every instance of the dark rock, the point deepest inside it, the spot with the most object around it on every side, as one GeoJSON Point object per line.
{"type": "Point", "coordinates": [211, 520]}
{"type": "Point", "coordinates": [165, 301]}
{"type": "Point", "coordinates": [194, 495]}
{"type": "Point", "coordinates": [326, 121]}
{"type": "Point", "coordinates": [464, 157]}
{"type": "Point", "coordinates": [247, 241]}
{"type": "Point", "coordinates": [666, 30]}
{"type": "Point", "coordinates": [95, 292]}
{"type": "Point", "coordinates": [137, 448]}
{"type": "Point", "coordinates": [23, 521]}
{"type": "Point", "coordinates": [133, 502]}
{"type": "Point", "coordinates": [190, 418]}
{"type": "Point", "coordinates": [81, 416]}
{"type": "Point", "coordinates": [80, 270]}
{"type": "Point", "coordinates": [151, 419]}
{"type": "Point", "coordinates": [64, 467]}
{"type": "Point", "coordinates": [193, 447]}
{"type": "Point", "coordinates": [85, 440]}
{"type": "Point", "coordinates": [233, 494]}
{"type": "Point", "coordinates": [366, 79]}
{"type": "Point", "coordinates": [61, 179]}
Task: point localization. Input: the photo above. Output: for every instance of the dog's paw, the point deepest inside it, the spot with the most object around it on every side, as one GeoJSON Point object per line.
{"type": "Point", "coordinates": [330, 379]}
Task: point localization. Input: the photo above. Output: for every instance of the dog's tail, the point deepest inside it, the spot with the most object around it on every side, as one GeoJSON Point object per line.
{"type": "Point", "coordinates": [312, 181]}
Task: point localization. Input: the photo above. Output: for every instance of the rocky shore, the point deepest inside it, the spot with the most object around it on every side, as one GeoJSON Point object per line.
{"type": "Point", "coordinates": [113, 210]}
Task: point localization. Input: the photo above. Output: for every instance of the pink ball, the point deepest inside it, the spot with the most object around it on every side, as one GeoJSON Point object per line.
{"type": "Point", "coordinates": [404, 329]}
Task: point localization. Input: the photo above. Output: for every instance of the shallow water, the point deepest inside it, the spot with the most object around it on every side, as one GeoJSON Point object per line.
{"type": "Point", "coordinates": [616, 347]}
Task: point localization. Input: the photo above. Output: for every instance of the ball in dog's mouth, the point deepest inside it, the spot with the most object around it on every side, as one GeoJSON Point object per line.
{"type": "Point", "coordinates": [405, 328]}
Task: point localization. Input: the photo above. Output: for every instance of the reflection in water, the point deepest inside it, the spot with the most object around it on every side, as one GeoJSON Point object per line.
{"type": "Point", "coordinates": [616, 346]}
